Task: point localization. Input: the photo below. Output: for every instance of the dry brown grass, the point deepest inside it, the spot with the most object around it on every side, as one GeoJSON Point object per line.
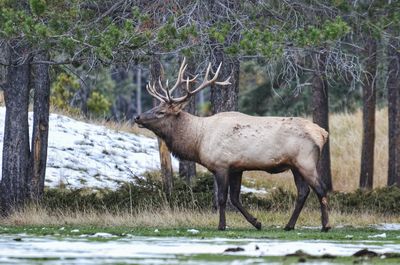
{"type": "Point", "coordinates": [345, 140]}
{"type": "Point", "coordinates": [168, 218]}
{"type": "Point", "coordinates": [346, 137]}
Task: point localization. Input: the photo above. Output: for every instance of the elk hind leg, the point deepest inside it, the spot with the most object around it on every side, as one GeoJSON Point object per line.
{"type": "Point", "coordinates": [235, 182]}
{"type": "Point", "coordinates": [315, 182]}
{"type": "Point", "coordinates": [303, 190]}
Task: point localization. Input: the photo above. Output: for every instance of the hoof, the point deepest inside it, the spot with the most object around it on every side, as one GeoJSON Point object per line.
{"type": "Point", "coordinates": [257, 225]}
{"type": "Point", "coordinates": [326, 229]}
{"type": "Point", "coordinates": [288, 228]}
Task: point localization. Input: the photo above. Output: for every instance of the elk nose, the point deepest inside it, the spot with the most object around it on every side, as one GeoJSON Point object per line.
{"type": "Point", "coordinates": [137, 118]}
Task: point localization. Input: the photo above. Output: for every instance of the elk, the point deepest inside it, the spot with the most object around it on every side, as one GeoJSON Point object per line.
{"type": "Point", "coordinates": [229, 143]}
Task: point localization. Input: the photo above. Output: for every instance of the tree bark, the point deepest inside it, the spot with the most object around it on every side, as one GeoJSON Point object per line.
{"type": "Point", "coordinates": [187, 169]}
{"type": "Point", "coordinates": [226, 98]}
{"type": "Point", "coordinates": [165, 155]}
{"type": "Point", "coordinates": [321, 115]}
{"type": "Point", "coordinates": [369, 99]}
{"type": "Point", "coordinates": [139, 91]}
{"type": "Point", "coordinates": [3, 62]}
{"type": "Point", "coordinates": [16, 152]}
{"type": "Point", "coordinates": [41, 109]}
{"type": "Point", "coordinates": [393, 86]}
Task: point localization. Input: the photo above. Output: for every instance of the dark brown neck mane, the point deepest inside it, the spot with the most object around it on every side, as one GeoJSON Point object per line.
{"type": "Point", "coordinates": [182, 134]}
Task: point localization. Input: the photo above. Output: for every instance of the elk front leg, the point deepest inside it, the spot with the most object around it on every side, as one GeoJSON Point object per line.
{"type": "Point", "coordinates": [235, 183]}
{"type": "Point", "coordinates": [222, 186]}
{"type": "Point", "coordinates": [302, 193]}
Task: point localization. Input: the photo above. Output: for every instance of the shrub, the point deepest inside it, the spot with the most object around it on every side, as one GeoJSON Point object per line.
{"type": "Point", "coordinates": [147, 193]}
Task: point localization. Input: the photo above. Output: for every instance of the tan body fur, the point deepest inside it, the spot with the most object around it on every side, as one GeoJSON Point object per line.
{"type": "Point", "coordinates": [241, 142]}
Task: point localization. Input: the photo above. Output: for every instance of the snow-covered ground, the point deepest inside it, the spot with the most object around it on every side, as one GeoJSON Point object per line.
{"type": "Point", "coordinates": [170, 250]}
{"type": "Point", "coordinates": [87, 155]}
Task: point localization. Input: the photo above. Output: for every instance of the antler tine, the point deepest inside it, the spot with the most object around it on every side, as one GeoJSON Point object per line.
{"type": "Point", "coordinates": [224, 83]}
{"type": "Point", "coordinates": [165, 90]}
{"type": "Point", "coordinates": [180, 79]}
{"type": "Point", "coordinates": [154, 93]}
{"type": "Point", "coordinates": [193, 79]}
{"type": "Point", "coordinates": [217, 73]}
{"type": "Point", "coordinates": [183, 98]}
{"type": "Point", "coordinates": [207, 71]}
{"type": "Point", "coordinates": [207, 82]}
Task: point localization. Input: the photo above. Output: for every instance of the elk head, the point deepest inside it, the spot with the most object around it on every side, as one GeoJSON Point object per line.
{"type": "Point", "coordinates": [170, 107]}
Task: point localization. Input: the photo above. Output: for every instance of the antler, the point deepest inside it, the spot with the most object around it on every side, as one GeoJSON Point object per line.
{"type": "Point", "coordinates": [167, 98]}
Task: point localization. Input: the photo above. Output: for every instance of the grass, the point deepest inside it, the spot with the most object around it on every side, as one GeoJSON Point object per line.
{"type": "Point", "coordinates": [168, 223]}
{"type": "Point", "coordinates": [177, 218]}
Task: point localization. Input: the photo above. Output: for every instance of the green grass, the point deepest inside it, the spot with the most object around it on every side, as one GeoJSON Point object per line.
{"type": "Point", "coordinates": [336, 234]}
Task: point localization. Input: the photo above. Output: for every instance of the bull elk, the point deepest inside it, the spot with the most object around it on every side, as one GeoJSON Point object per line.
{"type": "Point", "coordinates": [229, 143]}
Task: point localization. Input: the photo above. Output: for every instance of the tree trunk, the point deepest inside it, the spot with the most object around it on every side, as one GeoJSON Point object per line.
{"type": "Point", "coordinates": [321, 115]}
{"type": "Point", "coordinates": [139, 91]}
{"type": "Point", "coordinates": [187, 169]}
{"type": "Point", "coordinates": [393, 86]}
{"type": "Point", "coordinates": [223, 99]}
{"type": "Point", "coordinates": [3, 62]}
{"type": "Point", "coordinates": [165, 155]}
{"type": "Point", "coordinates": [41, 110]}
{"type": "Point", "coordinates": [226, 98]}
{"type": "Point", "coordinates": [369, 99]}
{"type": "Point", "coordinates": [16, 153]}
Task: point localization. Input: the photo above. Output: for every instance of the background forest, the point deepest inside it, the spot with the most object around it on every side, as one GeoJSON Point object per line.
{"type": "Point", "coordinates": [288, 58]}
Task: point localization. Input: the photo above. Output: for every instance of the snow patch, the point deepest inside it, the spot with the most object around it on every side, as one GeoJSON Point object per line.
{"type": "Point", "coordinates": [193, 231]}
{"type": "Point", "coordinates": [387, 227]}
{"type": "Point", "coordinates": [103, 235]}
{"type": "Point", "coordinates": [245, 189]}
{"type": "Point", "coordinates": [383, 235]}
